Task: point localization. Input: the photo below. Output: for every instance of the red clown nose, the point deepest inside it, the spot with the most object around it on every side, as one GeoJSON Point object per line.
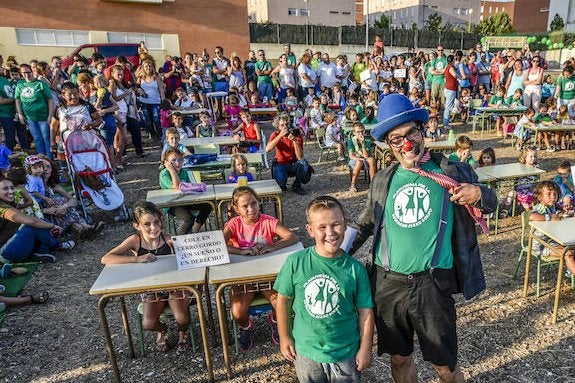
{"type": "Point", "coordinates": [407, 146]}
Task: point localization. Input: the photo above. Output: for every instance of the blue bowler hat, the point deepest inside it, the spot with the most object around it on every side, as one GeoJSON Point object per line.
{"type": "Point", "coordinates": [395, 110]}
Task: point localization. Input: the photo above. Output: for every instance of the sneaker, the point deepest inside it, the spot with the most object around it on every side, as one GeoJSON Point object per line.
{"type": "Point", "coordinates": [340, 159]}
{"type": "Point", "coordinates": [68, 245]}
{"type": "Point", "coordinates": [274, 328]}
{"type": "Point", "coordinates": [353, 189]}
{"type": "Point", "coordinates": [246, 337]}
{"type": "Point", "coordinates": [568, 274]}
{"type": "Point", "coordinates": [503, 213]}
{"type": "Point", "coordinates": [551, 149]}
{"type": "Point", "coordinates": [299, 190]}
{"type": "Point", "coordinates": [43, 258]}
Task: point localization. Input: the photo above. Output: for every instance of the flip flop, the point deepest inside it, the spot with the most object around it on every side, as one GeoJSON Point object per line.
{"type": "Point", "coordinates": [19, 270]}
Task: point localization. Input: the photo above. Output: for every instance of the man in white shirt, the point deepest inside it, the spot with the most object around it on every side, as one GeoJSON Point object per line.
{"type": "Point", "coordinates": [326, 71]}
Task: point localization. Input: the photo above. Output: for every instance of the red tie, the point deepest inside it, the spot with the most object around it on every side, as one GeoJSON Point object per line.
{"type": "Point", "coordinates": [450, 184]}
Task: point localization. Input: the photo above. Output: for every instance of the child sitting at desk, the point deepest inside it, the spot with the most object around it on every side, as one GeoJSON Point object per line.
{"type": "Point", "coordinates": [309, 283]}
{"type": "Point", "coordinates": [205, 128]}
{"type": "Point", "coordinates": [232, 112]}
{"type": "Point", "coordinates": [248, 132]}
{"type": "Point", "coordinates": [496, 101]}
{"type": "Point", "coordinates": [545, 208]}
{"type": "Point", "coordinates": [252, 233]}
{"type": "Point", "coordinates": [525, 185]}
{"type": "Point", "coordinates": [432, 131]}
{"type": "Point", "coordinates": [522, 129]}
{"type": "Point", "coordinates": [239, 168]}
{"type": "Point", "coordinates": [190, 216]}
{"type": "Point", "coordinates": [463, 147]}
{"type": "Point", "coordinates": [144, 247]}
{"type": "Point", "coordinates": [178, 124]}
{"type": "Point", "coordinates": [486, 157]}
{"type": "Point", "coordinates": [544, 118]}
{"type": "Point", "coordinates": [173, 142]}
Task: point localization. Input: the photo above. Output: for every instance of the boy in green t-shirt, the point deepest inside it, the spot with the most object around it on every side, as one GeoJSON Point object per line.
{"type": "Point", "coordinates": [463, 147]}
{"type": "Point", "coordinates": [330, 294]}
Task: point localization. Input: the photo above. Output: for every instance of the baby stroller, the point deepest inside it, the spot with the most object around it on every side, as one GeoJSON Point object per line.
{"type": "Point", "coordinates": [91, 174]}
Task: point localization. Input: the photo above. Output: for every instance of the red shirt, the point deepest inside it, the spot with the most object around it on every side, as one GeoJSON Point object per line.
{"type": "Point", "coordinates": [450, 80]}
{"type": "Point", "coordinates": [285, 150]}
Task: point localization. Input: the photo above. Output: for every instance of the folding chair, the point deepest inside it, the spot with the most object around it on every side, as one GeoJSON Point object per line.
{"type": "Point", "coordinates": [259, 306]}
{"type": "Point", "coordinates": [320, 140]}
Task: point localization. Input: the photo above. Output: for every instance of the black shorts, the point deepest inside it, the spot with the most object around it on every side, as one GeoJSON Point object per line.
{"type": "Point", "coordinates": [419, 304]}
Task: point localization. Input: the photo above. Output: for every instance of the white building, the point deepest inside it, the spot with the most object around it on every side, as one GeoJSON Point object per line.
{"type": "Point", "coordinates": [302, 12]}
{"type": "Point", "coordinates": [565, 9]}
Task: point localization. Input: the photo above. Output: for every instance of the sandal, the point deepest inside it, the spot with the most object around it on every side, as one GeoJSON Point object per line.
{"type": "Point", "coordinates": [39, 298]}
{"type": "Point", "coordinates": [183, 344]}
{"type": "Point", "coordinates": [162, 339]}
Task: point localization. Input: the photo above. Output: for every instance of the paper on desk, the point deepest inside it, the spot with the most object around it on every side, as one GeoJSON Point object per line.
{"type": "Point", "coordinates": [203, 249]}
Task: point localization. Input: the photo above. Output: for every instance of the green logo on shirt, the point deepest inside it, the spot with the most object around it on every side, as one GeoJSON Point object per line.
{"type": "Point", "coordinates": [411, 205]}
{"type": "Point", "coordinates": [321, 296]}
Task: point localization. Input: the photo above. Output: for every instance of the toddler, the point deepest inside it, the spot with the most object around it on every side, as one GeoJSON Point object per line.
{"type": "Point", "coordinates": [232, 112]}
{"type": "Point", "coordinates": [290, 101]}
{"type": "Point", "coordinates": [464, 100]}
{"type": "Point", "coordinates": [487, 157]}
{"type": "Point", "coordinates": [316, 115]}
{"type": "Point", "coordinates": [432, 131]}
{"type": "Point", "coordinates": [360, 150]}
{"type": "Point", "coordinates": [308, 100]}
{"type": "Point", "coordinates": [22, 199]}
{"type": "Point", "coordinates": [34, 182]}
{"type": "Point", "coordinates": [106, 106]}
{"type": "Point", "coordinates": [522, 129]}
{"type": "Point", "coordinates": [333, 136]}
{"type": "Point", "coordinates": [254, 234]}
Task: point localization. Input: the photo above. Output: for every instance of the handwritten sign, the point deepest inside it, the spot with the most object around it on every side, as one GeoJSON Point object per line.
{"type": "Point", "coordinates": [200, 249]}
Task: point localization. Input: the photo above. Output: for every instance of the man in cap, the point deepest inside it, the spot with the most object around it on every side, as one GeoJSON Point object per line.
{"type": "Point", "coordinates": [422, 196]}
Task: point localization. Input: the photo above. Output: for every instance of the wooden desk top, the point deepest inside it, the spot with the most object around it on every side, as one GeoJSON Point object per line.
{"type": "Point", "coordinates": [168, 198]}
{"type": "Point", "coordinates": [272, 109]}
{"type": "Point", "coordinates": [134, 278]}
{"type": "Point", "coordinates": [553, 128]}
{"type": "Point", "coordinates": [509, 171]}
{"type": "Point", "coordinates": [219, 140]}
{"type": "Point", "coordinates": [482, 176]}
{"type": "Point", "coordinates": [494, 109]}
{"type": "Point", "coordinates": [216, 94]}
{"type": "Point", "coordinates": [263, 187]}
{"type": "Point", "coordinates": [250, 268]}
{"type": "Point", "coordinates": [562, 232]}
{"type": "Point", "coordinates": [191, 111]}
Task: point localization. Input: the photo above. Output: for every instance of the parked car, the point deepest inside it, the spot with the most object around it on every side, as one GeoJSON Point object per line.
{"type": "Point", "coordinates": [109, 51]}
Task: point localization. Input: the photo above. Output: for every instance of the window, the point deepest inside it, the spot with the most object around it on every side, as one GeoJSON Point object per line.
{"type": "Point", "coordinates": [490, 9]}
{"type": "Point", "coordinates": [496, 9]}
{"type": "Point", "coordinates": [51, 37]}
{"type": "Point", "coordinates": [482, 8]}
{"type": "Point", "coordinates": [544, 9]}
{"type": "Point", "coordinates": [304, 12]}
{"type": "Point", "coordinates": [333, 12]}
{"type": "Point", "coordinates": [292, 11]}
{"type": "Point", "coordinates": [346, 13]}
{"type": "Point", "coordinates": [153, 41]}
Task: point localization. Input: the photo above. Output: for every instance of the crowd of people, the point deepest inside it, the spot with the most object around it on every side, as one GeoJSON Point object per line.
{"type": "Point", "coordinates": [394, 99]}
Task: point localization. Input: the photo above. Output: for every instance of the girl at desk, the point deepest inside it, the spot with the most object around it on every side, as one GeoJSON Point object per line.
{"type": "Point", "coordinates": [248, 132]}
{"type": "Point", "coordinates": [190, 217]}
{"type": "Point", "coordinates": [239, 168]}
{"type": "Point", "coordinates": [545, 208]}
{"type": "Point", "coordinates": [144, 247]}
{"type": "Point", "coordinates": [252, 233]}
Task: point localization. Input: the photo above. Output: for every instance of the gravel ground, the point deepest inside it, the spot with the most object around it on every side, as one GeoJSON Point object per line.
{"type": "Point", "coordinates": [503, 337]}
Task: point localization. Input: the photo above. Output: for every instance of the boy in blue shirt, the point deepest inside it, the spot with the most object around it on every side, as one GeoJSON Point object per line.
{"type": "Point", "coordinates": [330, 294]}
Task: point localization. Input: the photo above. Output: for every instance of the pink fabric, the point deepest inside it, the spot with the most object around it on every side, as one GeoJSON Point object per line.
{"type": "Point", "coordinates": [246, 236]}
{"type": "Point", "coordinates": [190, 187]}
{"type": "Point", "coordinates": [450, 184]}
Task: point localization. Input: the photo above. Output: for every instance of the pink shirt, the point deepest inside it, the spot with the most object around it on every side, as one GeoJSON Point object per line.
{"type": "Point", "coordinates": [245, 235]}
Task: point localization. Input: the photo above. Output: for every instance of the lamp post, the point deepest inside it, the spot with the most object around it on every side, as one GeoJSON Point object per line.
{"type": "Point", "coordinates": [469, 12]}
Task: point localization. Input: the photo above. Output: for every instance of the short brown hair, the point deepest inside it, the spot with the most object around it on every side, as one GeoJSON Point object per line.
{"type": "Point", "coordinates": [324, 202]}
{"type": "Point", "coordinates": [463, 142]}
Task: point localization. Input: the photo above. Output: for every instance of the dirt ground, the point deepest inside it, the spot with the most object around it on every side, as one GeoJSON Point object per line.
{"type": "Point", "coordinates": [503, 337]}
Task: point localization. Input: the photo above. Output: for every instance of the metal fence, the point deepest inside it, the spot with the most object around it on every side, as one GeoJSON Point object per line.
{"type": "Point", "coordinates": [355, 35]}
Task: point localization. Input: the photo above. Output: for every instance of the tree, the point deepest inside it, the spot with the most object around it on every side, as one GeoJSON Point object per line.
{"type": "Point", "coordinates": [557, 23]}
{"type": "Point", "coordinates": [383, 22]}
{"type": "Point", "coordinates": [433, 22]}
{"type": "Point", "coordinates": [498, 24]}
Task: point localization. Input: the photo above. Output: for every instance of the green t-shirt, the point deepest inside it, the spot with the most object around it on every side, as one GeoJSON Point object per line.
{"type": "Point", "coordinates": [540, 117]}
{"type": "Point", "coordinates": [34, 97]}
{"type": "Point", "coordinates": [496, 100]}
{"type": "Point", "coordinates": [6, 91]}
{"type": "Point", "coordinates": [166, 178]}
{"type": "Point", "coordinates": [369, 121]}
{"type": "Point", "coordinates": [356, 69]}
{"type": "Point", "coordinates": [411, 221]}
{"type": "Point", "coordinates": [439, 63]}
{"type": "Point", "coordinates": [357, 148]}
{"type": "Point", "coordinates": [264, 65]}
{"type": "Point", "coordinates": [291, 59]}
{"type": "Point", "coordinates": [453, 157]}
{"type": "Point", "coordinates": [326, 294]}
{"type": "Point", "coordinates": [566, 87]}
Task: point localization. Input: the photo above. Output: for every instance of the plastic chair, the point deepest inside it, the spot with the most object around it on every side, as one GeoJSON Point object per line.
{"type": "Point", "coordinates": [259, 306]}
{"type": "Point", "coordinates": [166, 315]}
{"type": "Point", "coordinates": [542, 260]}
{"type": "Point", "coordinates": [320, 140]}
{"type": "Point", "coordinates": [474, 103]}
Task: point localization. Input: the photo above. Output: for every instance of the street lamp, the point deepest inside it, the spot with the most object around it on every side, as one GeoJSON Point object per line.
{"type": "Point", "coordinates": [469, 12]}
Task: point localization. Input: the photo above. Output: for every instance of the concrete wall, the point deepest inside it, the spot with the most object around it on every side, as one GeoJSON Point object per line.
{"type": "Point", "coordinates": [197, 23]}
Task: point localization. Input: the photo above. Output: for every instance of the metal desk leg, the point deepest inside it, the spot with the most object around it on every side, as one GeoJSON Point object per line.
{"type": "Point", "coordinates": [109, 345]}
{"type": "Point", "coordinates": [558, 286]}
{"type": "Point", "coordinates": [223, 328]}
{"type": "Point", "coordinates": [528, 263]}
{"type": "Point", "coordinates": [210, 312]}
{"type": "Point", "coordinates": [203, 328]}
{"type": "Point", "coordinates": [127, 327]}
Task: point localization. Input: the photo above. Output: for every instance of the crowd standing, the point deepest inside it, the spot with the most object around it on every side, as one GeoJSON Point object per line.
{"type": "Point", "coordinates": [396, 99]}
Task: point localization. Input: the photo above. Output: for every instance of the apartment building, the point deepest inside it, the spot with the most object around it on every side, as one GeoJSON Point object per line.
{"type": "Point", "coordinates": [565, 9]}
{"type": "Point", "coordinates": [42, 28]}
{"type": "Point", "coordinates": [527, 16]}
{"type": "Point", "coordinates": [490, 8]}
{"type": "Point", "coordinates": [407, 12]}
{"type": "Point", "coordinates": [302, 12]}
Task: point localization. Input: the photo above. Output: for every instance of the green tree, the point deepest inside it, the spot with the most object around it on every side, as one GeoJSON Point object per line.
{"type": "Point", "coordinates": [433, 22]}
{"type": "Point", "coordinates": [557, 23]}
{"type": "Point", "coordinates": [498, 24]}
{"type": "Point", "coordinates": [383, 22]}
